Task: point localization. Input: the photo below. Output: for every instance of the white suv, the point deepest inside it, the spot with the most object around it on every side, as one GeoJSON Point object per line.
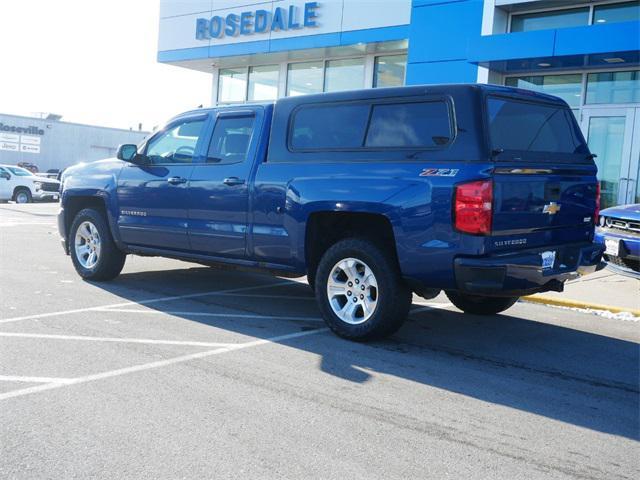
{"type": "Point", "coordinates": [22, 186]}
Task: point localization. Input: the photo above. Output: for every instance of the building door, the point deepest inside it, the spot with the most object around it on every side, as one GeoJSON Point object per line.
{"type": "Point", "coordinates": [613, 134]}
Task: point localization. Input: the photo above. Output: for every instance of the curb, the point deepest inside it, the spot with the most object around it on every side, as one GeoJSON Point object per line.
{"type": "Point", "coordinates": [579, 304]}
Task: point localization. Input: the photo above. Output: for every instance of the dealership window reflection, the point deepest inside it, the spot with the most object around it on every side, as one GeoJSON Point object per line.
{"type": "Point", "coordinates": [304, 78]}
{"type": "Point", "coordinates": [616, 12]}
{"type": "Point", "coordinates": [390, 71]}
{"type": "Point", "coordinates": [567, 87]}
{"type": "Point", "coordinates": [613, 87]}
{"type": "Point", "coordinates": [347, 74]}
{"type": "Point", "coordinates": [232, 85]}
{"type": "Point", "coordinates": [263, 83]}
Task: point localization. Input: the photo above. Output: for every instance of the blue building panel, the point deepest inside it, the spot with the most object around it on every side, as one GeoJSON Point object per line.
{"type": "Point", "coordinates": [439, 38]}
{"type": "Point", "coordinates": [510, 46]}
{"type": "Point", "coordinates": [459, 71]}
{"type": "Point", "coordinates": [614, 37]}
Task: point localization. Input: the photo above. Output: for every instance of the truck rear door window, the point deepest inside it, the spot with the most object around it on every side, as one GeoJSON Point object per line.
{"type": "Point", "coordinates": [420, 125]}
{"type": "Point", "coordinates": [329, 127]}
{"type": "Point", "coordinates": [533, 127]}
{"type": "Point", "coordinates": [230, 139]}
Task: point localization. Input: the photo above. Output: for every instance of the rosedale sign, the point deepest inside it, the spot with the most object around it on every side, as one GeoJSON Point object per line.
{"type": "Point", "coordinates": [258, 21]}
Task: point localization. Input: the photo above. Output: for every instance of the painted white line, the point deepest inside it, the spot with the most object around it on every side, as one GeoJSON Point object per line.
{"type": "Point", "coordinates": [114, 339]}
{"type": "Point", "coordinates": [140, 302]}
{"type": "Point", "coordinates": [266, 295]}
{"type": "Point", "coordinates": [209, 314]}
{"type": "Point", "coordinates": [157, 364]}
{"type": "Point", "coordinates": [12, 378]}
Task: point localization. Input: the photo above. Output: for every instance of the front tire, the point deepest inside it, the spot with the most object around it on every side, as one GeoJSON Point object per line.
{"type": "Point", "coordinates": [22, 195]}
{"type": "Point", "coordinates": [481, 305]}
{"type": "Point", "coordinates": [360, 291]}
{"type": "Point", "coordinates": [94, 254]}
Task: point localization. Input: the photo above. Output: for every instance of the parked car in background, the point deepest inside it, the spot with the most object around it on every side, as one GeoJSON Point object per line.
{"type": "Point", "coordinates": [51, 173]}
{"type": "Point", "coordinates": [22, 186]}
{"type": "Point", "coordinates": [32, 167]}
{"type": "Point", "coordinates": [619, 232]}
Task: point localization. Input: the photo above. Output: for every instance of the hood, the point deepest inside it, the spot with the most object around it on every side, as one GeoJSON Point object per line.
{"type": "Point", "coordinates": [37, 178]}
{"type": "Point", "coordinates": [104, 165]}
{"type": "Point", "coordinates": [625, 212]}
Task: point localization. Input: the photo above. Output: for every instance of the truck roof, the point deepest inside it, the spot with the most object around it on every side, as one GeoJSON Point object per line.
{"type": "Point", "coordinates": [404, 91]}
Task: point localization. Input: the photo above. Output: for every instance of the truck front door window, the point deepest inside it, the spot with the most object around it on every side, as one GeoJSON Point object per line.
{"type": "Point", "coordinates": [176, 145]}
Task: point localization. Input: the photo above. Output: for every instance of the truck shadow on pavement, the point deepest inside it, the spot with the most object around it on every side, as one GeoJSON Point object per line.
{"type": "Point", "coordinates": [522, 362]}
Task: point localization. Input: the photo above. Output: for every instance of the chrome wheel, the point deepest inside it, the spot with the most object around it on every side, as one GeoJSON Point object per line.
{"type": "Point", "coordinates": [352, 290]}
{"type": "Point", "coordinates": [87, 245]}
{"type": "Point", "coordinates": [22, 197]}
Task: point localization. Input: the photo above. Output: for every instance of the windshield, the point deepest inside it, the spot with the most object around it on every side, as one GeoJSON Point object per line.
{"type": "Point", "coordinates": [20, 172]}
{"type": "Point", "coordinates": [533, 127]}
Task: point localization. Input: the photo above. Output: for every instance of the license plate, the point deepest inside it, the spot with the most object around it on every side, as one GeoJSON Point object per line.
{"type": "Point", "coordinates": [548, 259]}
{"type": "Point", "coordinates": [612, 246]}
{"type": "Point", "coordinates": [55, 197]}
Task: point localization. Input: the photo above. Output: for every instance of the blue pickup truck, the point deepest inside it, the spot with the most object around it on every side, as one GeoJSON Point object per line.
{"type": "Point", "coordinates": [485, 192]}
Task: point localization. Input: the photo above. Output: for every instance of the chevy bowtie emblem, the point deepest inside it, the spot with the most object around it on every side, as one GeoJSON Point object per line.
{"type": "Point", "coordinates": [551, 208]}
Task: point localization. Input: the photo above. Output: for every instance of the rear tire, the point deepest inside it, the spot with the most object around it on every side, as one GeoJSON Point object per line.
{"type": "Point", "coordinates": [481, 305]}
{"type": "Point", "coordinates": [22, 195]}
{"type": "Point", "coordinates": [360, 291]}
{"type": "Point", "coordinates": [94, 254]}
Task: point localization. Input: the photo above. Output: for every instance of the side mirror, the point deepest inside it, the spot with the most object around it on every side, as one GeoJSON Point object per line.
{"type": "Point", "coordinates": [128, 152]}
{"type": "Point", "coordinates": [5, 175]}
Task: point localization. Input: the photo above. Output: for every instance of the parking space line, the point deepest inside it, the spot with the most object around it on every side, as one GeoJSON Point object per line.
{"type": "Point", "coordinates": [140, 302]}
{"type": "Point", "coordinates": [114, 339]}
{"type": "Point", "coordinates": [210, 314]}
{"type": "Point", "coordinates": [13, 378]}
{"type": "Point", "coordinates": [157, 364]}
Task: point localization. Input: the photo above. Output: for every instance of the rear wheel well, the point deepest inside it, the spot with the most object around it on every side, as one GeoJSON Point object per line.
{"type": "Point", "coordinates": [326, 228]}
{"type": "Point", "coordinates": [74, 204]}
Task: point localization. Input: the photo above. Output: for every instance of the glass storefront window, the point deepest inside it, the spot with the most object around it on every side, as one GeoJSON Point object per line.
{"type": "Point", "coordinates": [605, 137]}
{"type": "Point", "coordinates": [617, 12]}
{"type": "Point", "coordinates": [304, 78]}
{"type": "Point", "coordinates": [390, 71]}
{"type": "Point", "coordinates": [574, 17]}
{"type": "Point", "coordinates": [567, 87]}
{"type": "Point", "coordinates": [263, 82]}
{"type": "Point", "coordinates": [345, 74]}
{"type": "Point", "coordinates": [232, 85]}
{"type": "Point", "coordinates": [613, 87]}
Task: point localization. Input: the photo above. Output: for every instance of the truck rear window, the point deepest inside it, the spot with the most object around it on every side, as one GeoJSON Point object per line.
{"type": "Point", "coordinates": [355, 126]}
{"type": "Point", "coordinates": [533, 127]}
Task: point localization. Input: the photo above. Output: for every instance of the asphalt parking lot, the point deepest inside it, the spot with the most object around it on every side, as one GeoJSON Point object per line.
{"type": "Point", "coordinates": [175, 370]}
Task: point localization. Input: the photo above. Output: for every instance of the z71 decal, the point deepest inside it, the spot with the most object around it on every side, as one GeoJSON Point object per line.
{"type": "Point", "coordinates": [439, 172]}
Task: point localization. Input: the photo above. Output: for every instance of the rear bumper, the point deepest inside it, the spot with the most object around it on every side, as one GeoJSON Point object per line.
{"type": "Point", "coordinates": [521, 273]}
{"type": "Point", "coordinates": [628, 260]}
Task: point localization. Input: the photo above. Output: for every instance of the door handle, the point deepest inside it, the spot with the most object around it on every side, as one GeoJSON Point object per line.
{"type": "Point", "coordinates": [176, 180]}
{"type": "Point", "coordinates": [231, 181]}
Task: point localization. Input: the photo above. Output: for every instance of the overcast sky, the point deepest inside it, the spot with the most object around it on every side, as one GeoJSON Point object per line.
{"type": "Point", "coordinates": [92, 61]}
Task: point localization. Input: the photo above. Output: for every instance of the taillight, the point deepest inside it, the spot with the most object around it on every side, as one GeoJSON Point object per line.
{"type": "Point", "coordinates": [597, 212]}
{"type": "Point", "coordinates": [473, 207]}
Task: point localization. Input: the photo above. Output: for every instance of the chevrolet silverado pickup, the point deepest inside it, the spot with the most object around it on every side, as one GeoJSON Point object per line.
{"type": "Point", "coordinates": [484, 192]}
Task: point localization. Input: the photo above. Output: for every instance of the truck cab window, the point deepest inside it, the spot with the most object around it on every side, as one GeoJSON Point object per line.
{"type": "Point", "coordinates": [230, 140]}
{"type": "Point", "coordinates": [176, 145]}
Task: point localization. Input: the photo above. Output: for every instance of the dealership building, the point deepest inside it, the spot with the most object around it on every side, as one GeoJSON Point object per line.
{"type": "Point", "coordinates": [587, 52]}
{"type": "Point", "coordinates": [50, 143]}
